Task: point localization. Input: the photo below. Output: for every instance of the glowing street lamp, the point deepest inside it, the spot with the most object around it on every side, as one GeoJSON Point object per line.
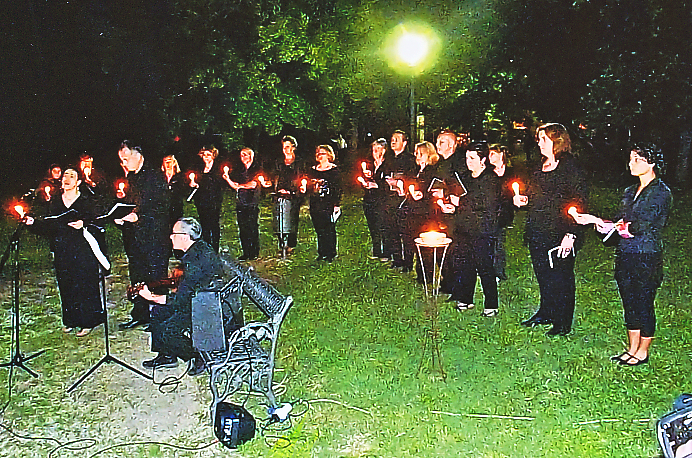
{"type": "Point", "coordinates": [412, 49]}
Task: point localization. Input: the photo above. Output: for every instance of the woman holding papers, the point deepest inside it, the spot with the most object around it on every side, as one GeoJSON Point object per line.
{"type": "Point", "coordinates": [76, 251]}
{"type": "Point", "coordinates": [325, 198]}
{"type": "Point", "coordinates": [551, 234]}
{"type": "Point", "coordinates": [638, 231]}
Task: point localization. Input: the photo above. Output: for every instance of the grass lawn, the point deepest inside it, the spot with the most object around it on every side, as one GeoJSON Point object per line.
{"type": "Point", "coordinates": [352, 346]}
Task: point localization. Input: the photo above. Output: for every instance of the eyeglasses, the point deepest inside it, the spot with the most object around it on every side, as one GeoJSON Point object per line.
{"type": "Point", "coordinates": [179, 233]}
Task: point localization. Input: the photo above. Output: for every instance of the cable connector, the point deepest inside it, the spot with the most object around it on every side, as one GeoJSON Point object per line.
{"type": "Point", "coordinates": [280, 414]}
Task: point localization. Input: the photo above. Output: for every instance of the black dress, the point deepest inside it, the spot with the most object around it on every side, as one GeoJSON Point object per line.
{"type": "Point", "coordinates": [76, 267]}
{"type": "Point", "coordinates": [208, 200]}
{"type": "Point", "coordinates": [326, 195]}
{"type": "Point", "coordinates": [179, 191]}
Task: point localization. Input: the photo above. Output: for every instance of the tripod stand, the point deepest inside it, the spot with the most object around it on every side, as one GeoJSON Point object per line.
{"type": "Point", "coordinates": [13, 247]}
{"type": "Point", "coordinates": [107, 358]}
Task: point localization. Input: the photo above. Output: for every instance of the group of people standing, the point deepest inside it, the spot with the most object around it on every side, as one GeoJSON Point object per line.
{"type": "Point", "coordinates": [464, 189]}
{"type": "Point", "coordinates": [468, 191]}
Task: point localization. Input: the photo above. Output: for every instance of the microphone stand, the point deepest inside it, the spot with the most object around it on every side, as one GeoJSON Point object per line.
{"type": "Point", "coordinates": [17, 359]}
{"type": "Point", "coordinates": [107, 358]}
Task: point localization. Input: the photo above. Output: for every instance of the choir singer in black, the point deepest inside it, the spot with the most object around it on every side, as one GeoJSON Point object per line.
{"type": "Point", "coordinates": [146, 228]}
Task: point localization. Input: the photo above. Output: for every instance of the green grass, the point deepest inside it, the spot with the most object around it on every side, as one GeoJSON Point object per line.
{"type": "Point", "coordinates": [354, 340]}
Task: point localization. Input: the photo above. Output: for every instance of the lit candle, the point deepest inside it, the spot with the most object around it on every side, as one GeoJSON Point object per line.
{"type": "Point", "coordinates": [411, 189]}
{"type": "Point", "coordinates": [47, 191]}
{"type": "Point", "coordinates": [87, 171]}
{"type": "Point", "coordinates": [364, 166]}
{"type": "Point", "coordinates": [225, 169]}
{"type": "Point", "coordinates": [20, 210]}
{"type": "Point", "coordinates": [303, 185]}
{"type": "Point", "coordinates": [573, 212]}
{"type": "Point", "coordinates": [515, 187]}
{"type": "Point", "coordinates": [261, 180]}
{"type": "Point", "coordinates": [192, 179]}
{"type": "Point", "coordinates": [121, 186]}
{"type": "Point", "coordinates": [400, 185]}
{"type": "Point", "coordinates": [362, 180]}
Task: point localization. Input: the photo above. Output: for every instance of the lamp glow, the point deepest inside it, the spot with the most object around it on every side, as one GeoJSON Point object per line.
{"type": "Point", "coordinates": [412, 48]}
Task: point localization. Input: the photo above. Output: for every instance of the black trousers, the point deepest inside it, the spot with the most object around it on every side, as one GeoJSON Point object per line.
{"type": "Point", "coordinates": [391, 238]}
{"type": "Point", "coordinates": [373, 216]}
{"type": "Point", "coordinates": [248, 229]}
{"type": "Point", "coordinates": [325, 230]}
{"type": "Point", "coordinates": [147, 262]}
{"type": "Point", "coordinates": [556, 283]}
{"type": "Point", "coordinates": [209, 219]}
{"type": "Point", "coordinates": [638, 276]}
{"type": "Point", "coordinates": [473, 256]}
{"type": "Point", "coordinates": [168, 333]}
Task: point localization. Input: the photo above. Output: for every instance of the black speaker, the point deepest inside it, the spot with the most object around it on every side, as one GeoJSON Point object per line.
{"type": "Point", "coordinates": [233, 424]}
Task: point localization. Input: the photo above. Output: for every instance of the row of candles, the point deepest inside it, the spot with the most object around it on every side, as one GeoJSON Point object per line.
{"type": "Point", "coordinates": [572, 210]}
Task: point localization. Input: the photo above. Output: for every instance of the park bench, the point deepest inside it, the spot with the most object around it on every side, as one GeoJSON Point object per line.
{"type": "Point", "coordinates": [247, 355]}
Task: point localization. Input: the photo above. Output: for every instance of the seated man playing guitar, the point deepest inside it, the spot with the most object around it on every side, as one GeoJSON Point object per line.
{"type": "Point", "coordinates": [171, 316]}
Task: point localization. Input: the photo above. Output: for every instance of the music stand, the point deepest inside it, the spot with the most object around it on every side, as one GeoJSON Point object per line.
{"type": "Point", "coordinates": [17, 359]}
{"type": "Point", "coordinates": [107, 358]}
{"type": "Point", "coordinates": [432, 290]}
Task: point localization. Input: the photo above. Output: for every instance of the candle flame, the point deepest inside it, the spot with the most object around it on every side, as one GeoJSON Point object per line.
{"type": "Point", "coordinates": [261, 179]}
{"type": "Point", "coordinates": [304, 182]}
{"type": "Point", "coordinates": [87, 171]}
{"type": "Point", "coordinates": [225, 169]}
{"type": "Point", "coordinates": [573, 211]}
{"type": "Point", "coordinates": [411, 189]}
{"type": "Point", "coordinates": [20, 210]}
{"type": "Point", "coordinates": [121, 186]}
{"type": "Point", "coordinates": [47, 190]}
{"type": "Point", "coordinates": [364, 166]}
{"type": "Point", "coordinates": [515, 187]}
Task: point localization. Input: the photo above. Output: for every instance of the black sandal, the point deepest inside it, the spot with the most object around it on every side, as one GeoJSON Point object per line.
{"type": "Point", "coordinates": [618, 358]}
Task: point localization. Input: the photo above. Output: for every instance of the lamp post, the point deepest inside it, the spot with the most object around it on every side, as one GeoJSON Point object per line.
{"type": "Point", "coordinates": [412, 48]}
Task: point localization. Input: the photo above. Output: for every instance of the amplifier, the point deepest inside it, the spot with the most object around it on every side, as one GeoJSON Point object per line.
{"type": "Point", "coordinates": [233, 424]}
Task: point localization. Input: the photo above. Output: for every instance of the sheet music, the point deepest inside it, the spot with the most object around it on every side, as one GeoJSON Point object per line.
{"type": "Point", "coordinates": [63, 214]}
{"type": "Point", "coordinates": [116, 207]}
{"type": "Point", "coordinates": [463, 188]}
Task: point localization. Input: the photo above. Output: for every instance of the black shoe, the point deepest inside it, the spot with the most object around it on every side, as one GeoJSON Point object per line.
{"type": "Point", "coordinates": [131, 324]}
{"type": "Point", "coordinates": [198, 367]}
{"type": "Point", "coordinates": [558, 331]}
{"type": "Point", "coordinates": [406, 269]}
{"type": "Point", "coordinates": [535, 321]}
{"type": "Point", "coordinates": [161, 361]}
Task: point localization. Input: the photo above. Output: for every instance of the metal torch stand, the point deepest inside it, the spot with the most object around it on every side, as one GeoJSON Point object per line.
{"type": "Point", "coordinates": [431, 342]}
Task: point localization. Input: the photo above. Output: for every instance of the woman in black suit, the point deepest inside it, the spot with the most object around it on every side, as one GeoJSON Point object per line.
{"type": "Point", "coordinates": [551, 234]}
{"type": "Point", "coordinates": [639, 256]}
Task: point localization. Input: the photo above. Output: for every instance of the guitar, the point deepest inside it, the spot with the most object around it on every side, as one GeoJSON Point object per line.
{"type": "Point", "coordinates": [170, 282]}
